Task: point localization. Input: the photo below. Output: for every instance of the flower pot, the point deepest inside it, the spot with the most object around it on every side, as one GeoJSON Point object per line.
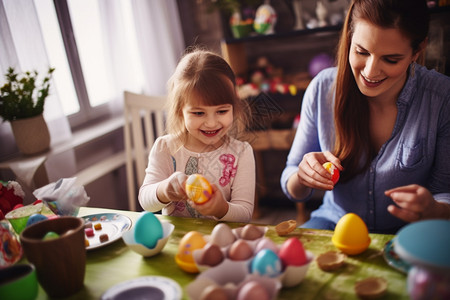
{"type": "Point", "coordinates": [31, 134]}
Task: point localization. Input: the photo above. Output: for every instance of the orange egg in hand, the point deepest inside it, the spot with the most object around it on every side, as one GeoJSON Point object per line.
{"type": "Point", "coordinates": [333, 171]}
{"type": "Point", "coordinates": [196, 185]}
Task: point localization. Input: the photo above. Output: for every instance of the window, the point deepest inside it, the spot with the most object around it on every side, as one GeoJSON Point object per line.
{"type": "Point", "coordinates": [77, 37]}
{"type": "Point", "coordinates": [99, 48]}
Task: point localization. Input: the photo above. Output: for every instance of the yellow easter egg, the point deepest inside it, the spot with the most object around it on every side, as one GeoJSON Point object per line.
{"type": "Point", "coordinates": [196, 184]}
{"type": "Point", "coordinates": [351, 235]}
{"type": "Point", "coordinates": [191, 241]}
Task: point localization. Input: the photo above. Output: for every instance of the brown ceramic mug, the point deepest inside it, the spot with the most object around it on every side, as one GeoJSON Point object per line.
{"type": "Point", "coordinates": [60, 262]}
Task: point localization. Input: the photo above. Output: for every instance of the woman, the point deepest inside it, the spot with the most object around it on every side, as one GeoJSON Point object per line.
{"type": "Point", "coordinates": [381, 119]}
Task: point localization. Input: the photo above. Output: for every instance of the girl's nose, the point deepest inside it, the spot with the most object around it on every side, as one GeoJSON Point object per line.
{"type": "Point", "coordinates": [210, 121]}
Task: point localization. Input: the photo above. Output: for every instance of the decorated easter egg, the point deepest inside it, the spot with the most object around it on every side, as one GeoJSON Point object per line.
{"type": "Point", "coordinates": [240, 250]}
{"type": "Point", "coordinates": [35, 218]}
{"type": "Point", "coordinates": [333, 171]}
{"type": "Point", "coordinates": [222, 235]}
{"type": "Point", "coordinates": [148, 230]}
{"type": "Point", "coordinates": [191, 241]}
{"type": "Point", "coordinates": [253, 290]}
{"type": "Point", "coordinates": [196, 186]}
{"type": "Point", "coordinates": [292, 253]}
{"type": "Point", "coordinates": [351, 235]}
{"type": "Point", "coordinates": [266, 263]}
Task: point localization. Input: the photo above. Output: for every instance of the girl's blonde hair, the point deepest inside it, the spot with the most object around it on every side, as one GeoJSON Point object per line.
{"type": "Point", "coordinates": [205, 74]}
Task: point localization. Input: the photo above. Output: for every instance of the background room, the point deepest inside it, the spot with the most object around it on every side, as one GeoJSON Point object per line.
{"type": "Point", "coordinates": [101, 48]}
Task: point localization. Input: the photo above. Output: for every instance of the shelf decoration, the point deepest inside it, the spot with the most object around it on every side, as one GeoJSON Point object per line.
{"type": "Point", "coordinates": [264, 77]}
{"type": "Point", "coordinates": [265, 19]}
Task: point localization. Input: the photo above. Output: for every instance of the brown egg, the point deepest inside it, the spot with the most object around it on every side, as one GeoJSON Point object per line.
{"type": "Point", "coordinates": [211, 255]}
{"type": "Point", "coordinates": [222, 235]}
{"type": "Point", "coordinates": [251, 232]}
{"type": "Point", "coordinates": [213, 292]}
{"type": "Point", "coordinates": [253, 290]}
{"type": "Point", "coordinates": [240, 250]}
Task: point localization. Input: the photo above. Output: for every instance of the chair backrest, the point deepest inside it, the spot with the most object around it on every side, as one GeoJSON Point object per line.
{"type": "Point", "coordinates": [144, 122]}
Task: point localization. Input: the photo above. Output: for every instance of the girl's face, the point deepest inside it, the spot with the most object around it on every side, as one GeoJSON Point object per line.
{"type": "Point", "coordinates": [379, 59]}
{"type": "Point", "coordinates": [207, 125]}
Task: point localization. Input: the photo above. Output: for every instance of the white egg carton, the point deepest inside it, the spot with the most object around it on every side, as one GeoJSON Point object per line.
{"type": "Point", "coordinates": [231, 275]}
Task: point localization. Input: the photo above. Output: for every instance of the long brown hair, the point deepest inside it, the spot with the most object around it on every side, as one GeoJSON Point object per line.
{"type": "Point", "coordinates": [205, 75]}
{"type": "Point", "coordinates": [351, 110]}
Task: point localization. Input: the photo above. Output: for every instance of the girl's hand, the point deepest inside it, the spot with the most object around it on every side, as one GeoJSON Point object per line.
{"type": "Point", "coordinates": [216, 206]}
{"type": "Point", "coordinates": [311, 172]}
{"type": "Point", "coordinates": [173, 188]}
{"type": "Point", "coordinates": [414, 203]}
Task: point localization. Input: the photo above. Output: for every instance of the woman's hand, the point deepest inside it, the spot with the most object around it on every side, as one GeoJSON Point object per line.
{"type": "Point", "coordinates": [172, 188]}
{"type": "Point", "coordinates": [311, 172]}
{"type": "Point", "coordinates": [414, 203]}
{"type": "Point", "coordinates": [216, 206]}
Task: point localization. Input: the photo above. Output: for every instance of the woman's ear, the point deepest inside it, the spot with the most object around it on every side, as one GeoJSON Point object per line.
{"type": "Point", "coordinates": [419, 55]}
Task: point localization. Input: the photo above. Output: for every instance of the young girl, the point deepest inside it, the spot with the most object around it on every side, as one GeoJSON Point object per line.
{"type": "Point", "coordinates": [203, 116]}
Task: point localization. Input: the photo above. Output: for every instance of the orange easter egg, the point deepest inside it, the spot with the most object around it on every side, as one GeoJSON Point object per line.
{"type": "Point", "coordinates": [196, 184]}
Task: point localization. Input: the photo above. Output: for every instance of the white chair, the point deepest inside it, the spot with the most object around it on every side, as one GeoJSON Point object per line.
{"type": "Point", "coordinates": [144, 122]}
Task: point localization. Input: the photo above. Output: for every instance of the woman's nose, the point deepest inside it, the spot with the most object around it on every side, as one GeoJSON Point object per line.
{"type": "Point", "coordinates": [372, 68]}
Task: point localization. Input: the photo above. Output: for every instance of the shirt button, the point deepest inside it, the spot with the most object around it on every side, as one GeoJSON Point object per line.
{"type": "Point", "coordinates": [370, 192]}
{"type": "Point", "coordinates": [371, 212]}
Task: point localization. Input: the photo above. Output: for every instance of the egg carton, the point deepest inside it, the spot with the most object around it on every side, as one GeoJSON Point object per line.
{"type": "Point", "coordinates": [232, 275]}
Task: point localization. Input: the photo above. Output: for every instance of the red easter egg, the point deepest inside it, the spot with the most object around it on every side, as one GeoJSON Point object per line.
{"type": "Point", "coordinates": [333, 171]}
{"type": "Point", "coordinates": [292, 253]}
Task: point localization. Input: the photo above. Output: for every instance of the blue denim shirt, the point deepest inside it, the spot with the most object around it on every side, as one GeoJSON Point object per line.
{"type": "Point", "coordinates": [418, 152]}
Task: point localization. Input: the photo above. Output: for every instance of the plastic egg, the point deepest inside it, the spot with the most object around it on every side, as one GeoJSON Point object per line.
{"type": "Point", "coordinates": [266, 263]}
{"type": "Point", "coordinates": [292, 253]}
{"type": "Point", "coordinates": [190, 242]}
{"type": "Point", "coordinates": [196, 186]}
{"type": "Point", "coordinates": [222, 235]}
{"type": "Point", "coordinates": [35, 218]}
{"type": "Point", "coordinates": [351, 235]}
{"type": "Point", "coordinates": [333, 171]}
{"type": "Point", "coordinates": [148, 230]}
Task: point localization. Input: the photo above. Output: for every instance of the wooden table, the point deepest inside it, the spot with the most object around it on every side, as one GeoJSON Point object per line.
{"type": "Point", "coordinates": [115, 263]}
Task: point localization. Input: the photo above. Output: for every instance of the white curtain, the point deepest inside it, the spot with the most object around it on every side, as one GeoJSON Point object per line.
{"type": "Point", "coordinates": [22, 47]}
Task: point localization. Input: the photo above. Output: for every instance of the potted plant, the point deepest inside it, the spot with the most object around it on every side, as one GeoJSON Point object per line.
{"type": "Point", "coordinates": [22, 102]}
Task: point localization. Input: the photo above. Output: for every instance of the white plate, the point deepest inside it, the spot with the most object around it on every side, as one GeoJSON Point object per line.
{"type": "Point", "coordinates": [143, 288]}
{"type": "Point", "coordinates": [112, 224]}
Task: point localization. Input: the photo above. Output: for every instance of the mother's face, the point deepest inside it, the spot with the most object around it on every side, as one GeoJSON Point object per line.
{"type": "Point", "coordinates": [379, 59]}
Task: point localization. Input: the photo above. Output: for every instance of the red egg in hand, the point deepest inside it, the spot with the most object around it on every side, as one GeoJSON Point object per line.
{"type": "Point", "coordinates": [333, 171]}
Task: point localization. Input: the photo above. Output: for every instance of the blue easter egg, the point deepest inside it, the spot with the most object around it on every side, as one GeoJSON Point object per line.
{"type": "Point", "coordinates": [35, 218]}
{"type": "Point", "coordinates": [266, 263]}
{"type": "Point", "coordinates": [148, 230]}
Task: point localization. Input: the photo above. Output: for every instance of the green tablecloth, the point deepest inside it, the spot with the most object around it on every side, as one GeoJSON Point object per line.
{"type": "Point", "coordinates": [115, 263]}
